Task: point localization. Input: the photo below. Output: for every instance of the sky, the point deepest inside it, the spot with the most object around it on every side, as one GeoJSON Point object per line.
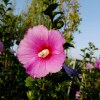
{"type": "Point", "coordinates": [89, 27]}
{"type": "Point", "coordinates": [20, 5]}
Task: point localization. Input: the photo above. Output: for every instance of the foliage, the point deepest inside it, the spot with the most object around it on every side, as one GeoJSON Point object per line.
{"type": "Point", "coordinates": [46, 88]}
{"type": "Point", "coordinates": [12, 75]}
{"type": "Point", "coordinates": [15, 84]}
{"type": "Point", "coordinates": [88, 53]}
{"type": "Point", "coordinates": [35, 16]}
{"type": "Point", "coordinates": [71, 18]}
{"type": "Point", "coordinates": [89, 77]}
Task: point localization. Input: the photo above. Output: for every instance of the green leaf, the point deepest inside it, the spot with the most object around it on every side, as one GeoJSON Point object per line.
{"type": "Point", "coordinates": [10, 3]}
{"type": "Point", "coordinates": [28, 82]}
{"type": "Point", "coordinates": [83, 50]}
{"type": "Point", "coordinates": [58, 23]}
{"type": "Point", "coordinates": [96, 49]}
{"type": "Point", "coordinates": [67, 45]}
{"type": "Point", "coordinates": [2, 9]}
{"type": "Point", "coordinates": [87, 55]}
{"type": "Point", "coordinates": [50, 8]}
{"type": "Point", "coordinates": [9, 9]}
{"type": "Point", "coordinates": [6, 1]}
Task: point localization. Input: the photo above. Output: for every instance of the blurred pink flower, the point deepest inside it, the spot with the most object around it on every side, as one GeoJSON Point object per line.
{"type": "Point", "coordinates": [77, 95]}
{"type": "Point", "coordinates": [97, 64]}
{"type": "Point", "coordinates": [41, 51]}
{"type": "Point", "coordinates": [89, 66]}
{"type": "Point", "coordinates": [1, 47]}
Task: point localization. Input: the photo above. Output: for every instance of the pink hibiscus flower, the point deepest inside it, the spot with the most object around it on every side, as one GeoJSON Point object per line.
{"type": "Point", "coordinates": [41, 51]}
{"type": "Point", "coordinates": [1, 47]}
{"type": "Point", "coordinates": [97, 64]}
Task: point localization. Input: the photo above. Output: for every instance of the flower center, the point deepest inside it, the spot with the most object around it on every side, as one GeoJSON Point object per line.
{"type": "Point", "coordinates": [44, 53]}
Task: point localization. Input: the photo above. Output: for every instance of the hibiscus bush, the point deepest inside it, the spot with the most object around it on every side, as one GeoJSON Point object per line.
{"type": "Point", "coordinates": [89, 69]}
{"type": "Point", "coordinates": [34, 62]}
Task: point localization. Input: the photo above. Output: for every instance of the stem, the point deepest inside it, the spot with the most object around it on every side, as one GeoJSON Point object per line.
{"type": "Point", "coordinates": [70, 83]}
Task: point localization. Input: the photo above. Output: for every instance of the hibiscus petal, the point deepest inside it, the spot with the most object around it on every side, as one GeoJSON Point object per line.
{"type": "Point", "coordinates": [55, 62]}
{"type": "Point", "coordinates": [56, 41]}
{"type": "Point", "coordinates": [37, 69]}
{"type": "Point", "coordinates": [25, 54]}
{"type": "Point", "coordinates": [38, 35]}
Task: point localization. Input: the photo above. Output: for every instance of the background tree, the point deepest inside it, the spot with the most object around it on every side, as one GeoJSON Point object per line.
{"type": "Point", "coordinates": [12, 75]}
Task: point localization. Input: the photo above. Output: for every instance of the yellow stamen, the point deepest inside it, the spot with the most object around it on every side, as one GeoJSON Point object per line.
{"type": "Point", "coordinates": [44, 53]}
